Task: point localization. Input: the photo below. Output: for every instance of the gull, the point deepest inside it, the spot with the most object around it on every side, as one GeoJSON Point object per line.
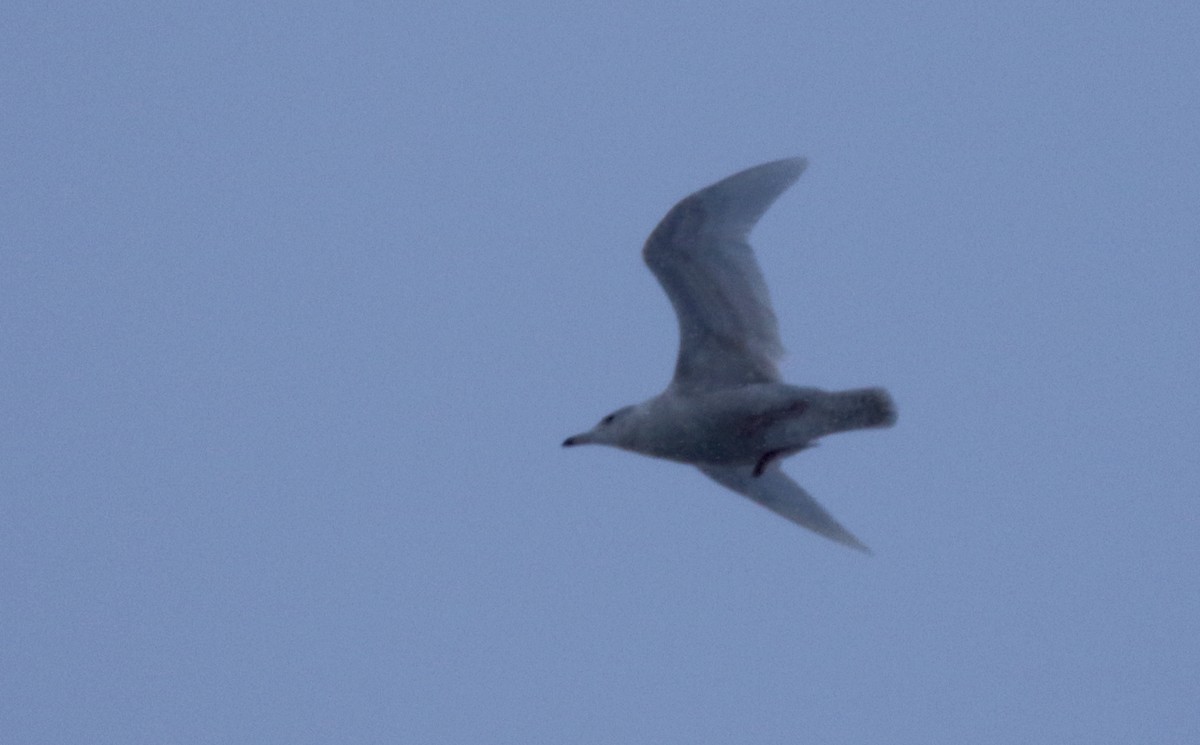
{"type": "Point", "coordinates": [727, 411]}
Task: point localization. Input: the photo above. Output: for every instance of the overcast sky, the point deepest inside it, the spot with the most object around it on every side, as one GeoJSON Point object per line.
{"type": "Point", "coordinates": [298, 301]}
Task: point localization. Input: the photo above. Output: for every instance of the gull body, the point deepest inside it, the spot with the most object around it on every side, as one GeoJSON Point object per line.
{"type": "Point", "coordinates": [726, 411]}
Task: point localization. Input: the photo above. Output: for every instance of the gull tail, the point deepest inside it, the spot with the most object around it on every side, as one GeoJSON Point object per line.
{"type": "Point", "coordinates": [861, 408]}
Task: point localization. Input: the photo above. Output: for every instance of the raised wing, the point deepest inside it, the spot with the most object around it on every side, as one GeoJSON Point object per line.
{"type": "Point", "coordinates": [728, 335]}
{"type": "Point", "coordinates": [776, 491]}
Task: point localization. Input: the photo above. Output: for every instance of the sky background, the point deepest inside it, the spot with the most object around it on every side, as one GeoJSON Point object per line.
{"type": "Point", "coordinates": [298, 301]}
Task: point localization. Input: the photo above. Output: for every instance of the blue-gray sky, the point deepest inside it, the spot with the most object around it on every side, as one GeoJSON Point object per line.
{"type": "Point", "coordinates": [297, 302]}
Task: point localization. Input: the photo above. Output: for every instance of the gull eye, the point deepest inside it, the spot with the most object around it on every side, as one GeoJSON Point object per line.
{"type": "Point", "coordinates": [608, 419]}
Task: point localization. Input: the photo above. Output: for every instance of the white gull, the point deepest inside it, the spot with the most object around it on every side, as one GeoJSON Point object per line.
{"type": "Point", "coordinates": [727, 411]}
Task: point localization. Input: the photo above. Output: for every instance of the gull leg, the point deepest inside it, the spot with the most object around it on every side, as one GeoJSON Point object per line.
{"type": "Point", "coordinates": [765, 460]}
{"type": "Point", "coordinates": [771, 456]}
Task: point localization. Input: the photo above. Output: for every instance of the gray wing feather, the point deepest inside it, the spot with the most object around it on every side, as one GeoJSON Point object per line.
{"type": "Point", "coordinates": [776, 491]}
{"type": "Point", "coordinates": [698, 252]}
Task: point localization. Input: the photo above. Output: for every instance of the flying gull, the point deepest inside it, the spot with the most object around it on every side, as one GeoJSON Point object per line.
{"type": "Point", "coordinates": [726, 411]}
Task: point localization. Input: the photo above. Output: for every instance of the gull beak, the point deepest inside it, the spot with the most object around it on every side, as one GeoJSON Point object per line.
{"type": "Point", "coordinates": [580, 439]}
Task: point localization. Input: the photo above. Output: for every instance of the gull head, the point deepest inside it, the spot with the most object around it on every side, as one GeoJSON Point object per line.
{"type": "Point", "coordinates": [612, 430]}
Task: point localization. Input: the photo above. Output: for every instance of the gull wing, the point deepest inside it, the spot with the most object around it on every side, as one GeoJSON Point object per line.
{"type": "Point", "coordinates": [728, 335]}
{"type": "Point", "coordinates": [776, 491]}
